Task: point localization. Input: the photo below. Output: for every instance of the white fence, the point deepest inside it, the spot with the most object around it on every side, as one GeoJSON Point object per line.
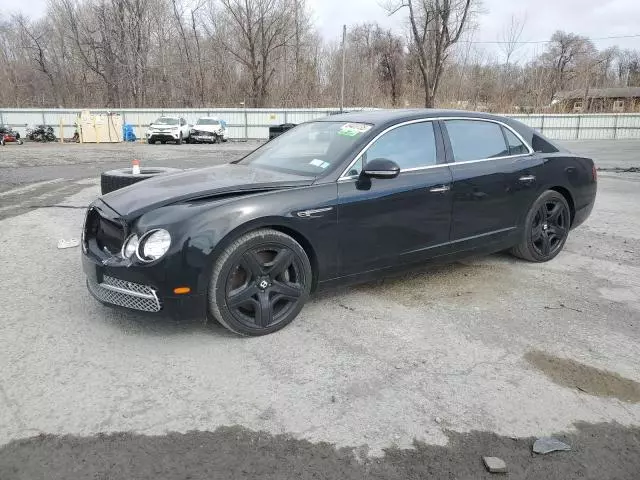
{"type": "Point", "coordinates": [255, 123]}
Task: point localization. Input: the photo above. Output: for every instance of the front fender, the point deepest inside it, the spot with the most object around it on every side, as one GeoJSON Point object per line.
{"type": "Point", "coordinates": [211, 226]}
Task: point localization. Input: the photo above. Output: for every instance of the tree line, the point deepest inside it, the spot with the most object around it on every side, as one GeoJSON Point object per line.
{"type": "Point", "coordinates": [269, 53]}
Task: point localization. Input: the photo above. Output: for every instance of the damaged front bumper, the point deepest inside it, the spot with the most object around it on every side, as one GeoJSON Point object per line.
{"type": "Point", "coordinates": [142, 289]}
{"type": "Point", "coordinates": [120, 282]}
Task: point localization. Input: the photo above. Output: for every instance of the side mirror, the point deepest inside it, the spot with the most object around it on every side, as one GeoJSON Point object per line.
{"type": "Point", "coordinates": [381, 168]}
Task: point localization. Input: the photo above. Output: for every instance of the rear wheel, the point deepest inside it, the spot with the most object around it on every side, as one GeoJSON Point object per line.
{"type": "Point", "coordinates": [260, 283]}
{"type": "Point", "coordinates": [546, 228]}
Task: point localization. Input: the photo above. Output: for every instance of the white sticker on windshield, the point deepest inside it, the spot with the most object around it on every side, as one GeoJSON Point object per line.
{"type": "Point", "coordinates": [353, 129]}
{"type": "Point", "coordinates": [316, 163]}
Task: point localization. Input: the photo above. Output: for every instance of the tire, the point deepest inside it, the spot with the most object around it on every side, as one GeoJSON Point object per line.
{"type": "Point", "coordinates": [179, 141]}
{"type": "Point", "coordinates": [20, 142]}
{"type": "Point", "coordinates": [546, 228]}
{"type": "Point", "coordinates": [116, 179]}
{"type": "Point", "coordinates": [151, 142]}
{"type": "Point", "coordinates": [248, 267]}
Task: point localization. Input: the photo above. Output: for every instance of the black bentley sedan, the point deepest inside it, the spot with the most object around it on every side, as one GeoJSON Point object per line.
{"type": "Point", "coordinates": [350, 197]}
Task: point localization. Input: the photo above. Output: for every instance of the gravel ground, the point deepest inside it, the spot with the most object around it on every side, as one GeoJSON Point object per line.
{"type": "Point", "coordinates": [470, 359]}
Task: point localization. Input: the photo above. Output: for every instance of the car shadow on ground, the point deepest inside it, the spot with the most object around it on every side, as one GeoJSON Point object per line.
{"type": "Point", "coordinates": [133, 322]}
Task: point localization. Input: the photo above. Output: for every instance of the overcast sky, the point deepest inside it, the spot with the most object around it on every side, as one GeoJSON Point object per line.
{"type": "Point", "coordinates": [593, 18]}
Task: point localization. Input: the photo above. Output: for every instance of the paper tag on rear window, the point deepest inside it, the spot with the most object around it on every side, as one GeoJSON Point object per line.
{"type": "Point", "coordinates": [353, 129]}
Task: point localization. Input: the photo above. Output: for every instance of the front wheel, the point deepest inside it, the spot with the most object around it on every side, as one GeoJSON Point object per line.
{"type": "Point", "coordinates": [179, 141]}
{"type": "Point", "coordinates": [260, 283]}
{"type": "Point", "coordinates": [546, 228]}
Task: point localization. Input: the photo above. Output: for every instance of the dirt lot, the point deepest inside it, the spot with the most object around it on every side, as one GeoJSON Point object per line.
{"type": "Point", "coordinates": [411, 377]}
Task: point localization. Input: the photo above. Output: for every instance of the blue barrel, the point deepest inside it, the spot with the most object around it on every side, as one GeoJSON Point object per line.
{"type": "Point", "coordinates": [128, 134]}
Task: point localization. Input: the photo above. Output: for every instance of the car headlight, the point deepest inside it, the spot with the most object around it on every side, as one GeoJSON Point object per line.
{"type": "Point", "coordinates": [192, 131]}
{"type": "Point", "coordinates": [130, 246]}
{"type": "Point", "coordinates": [153, 245]}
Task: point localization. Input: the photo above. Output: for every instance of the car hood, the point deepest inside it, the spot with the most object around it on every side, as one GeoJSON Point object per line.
{"type": "Point", "coordinates": [211, 182]}
{"type": "Point", "coordinates": [162, 125]}
{"type": "Point", "coordinates": [207, 128]}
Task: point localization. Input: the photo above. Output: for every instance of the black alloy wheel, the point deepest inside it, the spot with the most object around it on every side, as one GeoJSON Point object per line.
{"type": "Point", "coordinates": [546, 228]}
{"type": "Point", "coordinates": [260, 283]}
{"type": "Point", "coordinates": [550, 227]}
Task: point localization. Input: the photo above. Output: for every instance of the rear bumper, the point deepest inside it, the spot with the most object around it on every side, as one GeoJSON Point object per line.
{"type": "Point", "coordinates": [582, 214]}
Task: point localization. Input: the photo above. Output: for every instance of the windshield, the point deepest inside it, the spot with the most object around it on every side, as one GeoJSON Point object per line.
{"type": "Point", "coordinates": [207, 121]}
{"type": "Point", "coordinates": [166, 121]}
{"type": "Point", "coordinates": [310, 149]}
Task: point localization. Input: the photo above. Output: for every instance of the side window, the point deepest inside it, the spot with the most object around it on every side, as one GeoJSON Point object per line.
{"type": "Point", "coordinates": [410, 146]}
{"type": "Point", "coordinates": [516, 147]}
{"type": "Point", "coordinates": [476, 140]}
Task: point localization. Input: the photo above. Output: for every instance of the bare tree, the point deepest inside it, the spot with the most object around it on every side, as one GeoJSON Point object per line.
{"type": "Point", "coordinates": [563, 55]}
{"type": "Point", "coordinates": [436, 25]}
{"type": "Point", "coordinates": [509, 44]}
{"type": "Point", "coordinates": [262, 29]}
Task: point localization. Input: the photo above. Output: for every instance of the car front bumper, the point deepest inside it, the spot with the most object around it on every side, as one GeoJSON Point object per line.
{"type": "Point", "coordinates": [144, 289]}
{"type": "Point", "coordinates": [205, 138]}
{"type": "Point", "coordinates": [159, 136]}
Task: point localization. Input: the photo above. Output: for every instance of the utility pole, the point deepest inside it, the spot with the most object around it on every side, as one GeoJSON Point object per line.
{"type": "Point", "coordinates": [344, 58]}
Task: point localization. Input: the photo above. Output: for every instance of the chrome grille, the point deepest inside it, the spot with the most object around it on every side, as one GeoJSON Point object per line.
{"type": "Point", "coordinates": [125, 294]}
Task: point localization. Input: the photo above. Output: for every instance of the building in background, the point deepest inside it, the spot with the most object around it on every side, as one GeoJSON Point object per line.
{"type": "Point", "coordinates": [597, 100]}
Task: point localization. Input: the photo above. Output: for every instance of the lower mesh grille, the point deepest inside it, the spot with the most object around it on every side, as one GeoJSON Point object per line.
{"type": "Point", "coordinates": [125, 294]}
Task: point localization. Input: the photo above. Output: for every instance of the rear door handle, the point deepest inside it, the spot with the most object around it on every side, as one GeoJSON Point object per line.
{"type": "Point", "coordinates": [440, 189]}
{"type": "Point", "coordinates": [527, 178]}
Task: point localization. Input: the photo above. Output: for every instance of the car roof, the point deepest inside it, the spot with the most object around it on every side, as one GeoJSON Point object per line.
{"type": "Point", "coordinates": [380, 117]}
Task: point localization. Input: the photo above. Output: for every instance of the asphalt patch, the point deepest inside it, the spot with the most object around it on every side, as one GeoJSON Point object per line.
{"type": "Point", "coordinates": [572, 374]}
{"type": "Point", "coordinates": [602, 451]}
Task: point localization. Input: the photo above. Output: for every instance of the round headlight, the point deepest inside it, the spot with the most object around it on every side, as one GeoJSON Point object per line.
{"type": "Point", "coordinates": [130, 246]}
{"type": "Point", "coordinates": [153, 245]}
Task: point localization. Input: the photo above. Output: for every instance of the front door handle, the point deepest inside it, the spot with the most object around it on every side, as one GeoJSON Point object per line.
{"type": "Point", "coordinates": [440, 189]}
{"type": "Point", "coordinates": [527, 178]}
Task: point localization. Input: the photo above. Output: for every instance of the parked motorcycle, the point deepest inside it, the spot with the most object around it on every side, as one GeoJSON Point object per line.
{"type": "Point", "coordinates": [8, 135]}
{"type": "Point", "coordinates": [41, 133]}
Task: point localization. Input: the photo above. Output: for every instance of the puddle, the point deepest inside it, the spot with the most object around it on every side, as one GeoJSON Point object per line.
{"type": "Point", "coordinates": [593, 381]}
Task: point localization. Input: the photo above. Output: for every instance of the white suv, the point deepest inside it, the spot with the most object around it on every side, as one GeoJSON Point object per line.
{"type": "Point", "coordinates": [208, 130]}
{"type": "Point", "coordinates": [168, 129]}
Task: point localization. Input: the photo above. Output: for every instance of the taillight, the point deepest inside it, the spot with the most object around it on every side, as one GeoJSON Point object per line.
{"type": "Point", "coordinates": [594, 173]}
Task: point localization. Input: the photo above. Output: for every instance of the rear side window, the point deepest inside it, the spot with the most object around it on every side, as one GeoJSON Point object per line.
{"type": "Point", "coordinates": [410, 146]}
{"type": "Point", "coordinates": [539, 144]}
{"type": "Point", "coordinates": [476, 140]}
{"type": "Point", "coordinates": [516, 147]}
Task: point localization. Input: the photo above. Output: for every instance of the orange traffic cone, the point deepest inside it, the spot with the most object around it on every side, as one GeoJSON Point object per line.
{"type": "Point", "coordinates": [135, 167]}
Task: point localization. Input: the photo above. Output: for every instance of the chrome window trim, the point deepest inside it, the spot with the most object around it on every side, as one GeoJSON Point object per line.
{"type": "Point", "coordinates": [344, 177]}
